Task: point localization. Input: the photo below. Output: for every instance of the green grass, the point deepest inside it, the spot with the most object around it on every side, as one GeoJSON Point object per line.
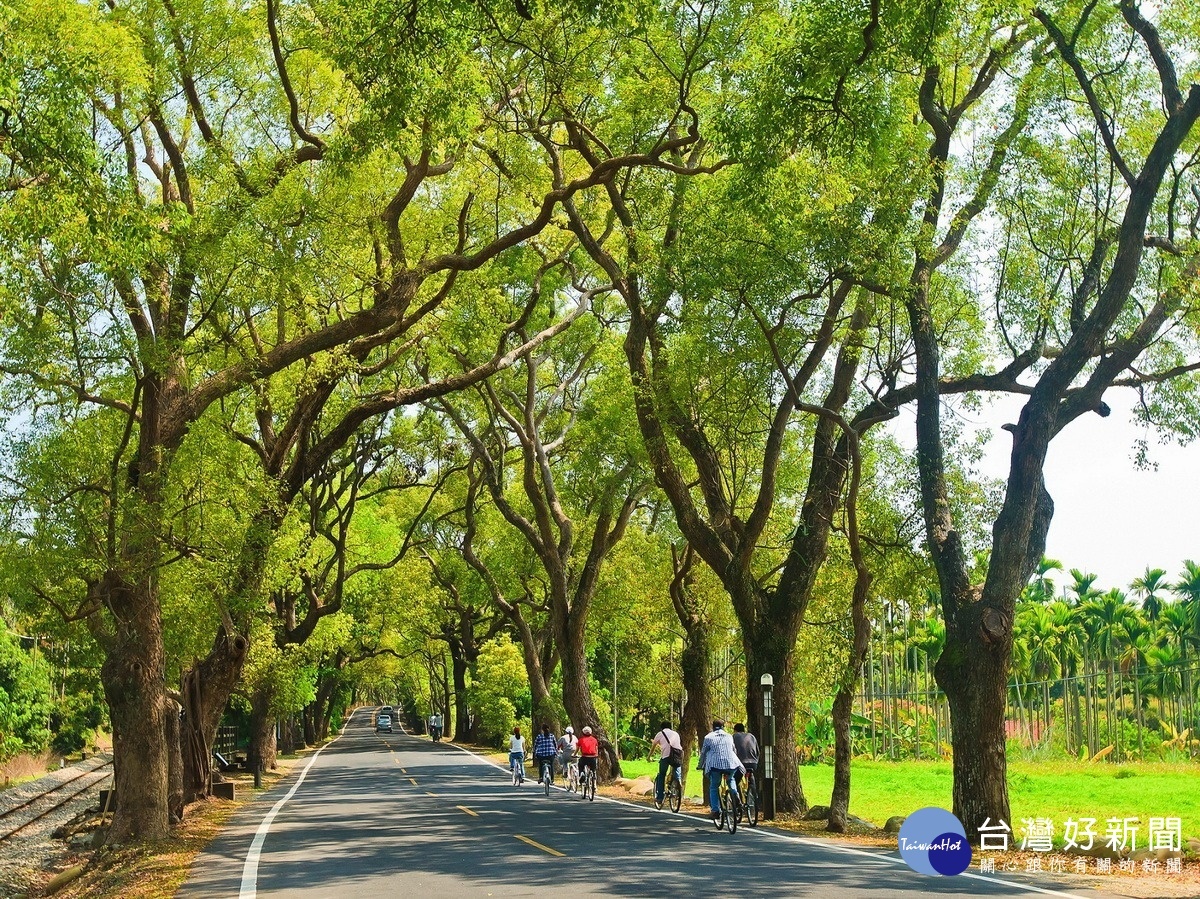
{"type": "Point", "coordinates": [1055, 790]}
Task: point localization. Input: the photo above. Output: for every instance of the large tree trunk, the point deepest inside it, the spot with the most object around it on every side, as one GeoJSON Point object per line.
{"type": "Point", "coordinates": [974, 674]}
{"type": "Point", "coordinates": [171, 737]}
{"type": "Point", "coordinates": [462, 713]}
{"type": "Point", "coordinates": [770, 651]}
{"type": "Point", "coordinates": [843, 703]}
{"type": "Point", "coordinates": [205, 690]}
{"type": "Point", "coordinates": [697, 708]}
{"type": "Point", "coordinates": [133, 678]}
{"type": "Point", "coordinates": [543, 706]}
{"type": "Point", "coordinates": [263, 747]}
{"type": "Point", "coordinates": [577, 697]}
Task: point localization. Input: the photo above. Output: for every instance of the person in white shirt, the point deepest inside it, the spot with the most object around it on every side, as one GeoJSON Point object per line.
{"type": "Point", "coordinates": [671, 749]}
{"type": "Point", "coordinates": [568, 743]}
{"type": "Point", "coordinates": [516, 754]}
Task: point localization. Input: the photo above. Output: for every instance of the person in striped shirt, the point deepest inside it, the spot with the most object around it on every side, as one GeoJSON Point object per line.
{"type": "Point", "coordinates": [718, 758]}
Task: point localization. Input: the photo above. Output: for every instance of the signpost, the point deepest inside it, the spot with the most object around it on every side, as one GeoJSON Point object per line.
{"type": "Point", "coordinates": [767, 774]}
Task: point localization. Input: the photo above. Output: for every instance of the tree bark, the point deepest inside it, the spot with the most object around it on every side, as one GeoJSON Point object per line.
{"type": "Point", "coordinates": [133, 679]}
{"type": "Point", "coordinates": [263, 746]}
{"type": "Point", "coordinates": [205, 691]}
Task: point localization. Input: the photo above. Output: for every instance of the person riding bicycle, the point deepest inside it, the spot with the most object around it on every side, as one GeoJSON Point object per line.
{"type": "Point", "coordinates": [718, 758]}
{"type": "Point", "coordinates": [746, 747]}
{"type": "Point", "coordinates": [435, 726]}
{"type": "Point", "coordinates": [589, 751]}
{"type": "Point", "coordinates": [568, 743]}
{"type": "Point", "coordinates": [671, 749]}
{"type": "Point", "coordinates": [516, 754]}
{"type": "Point", "coordinates": [545, 747]}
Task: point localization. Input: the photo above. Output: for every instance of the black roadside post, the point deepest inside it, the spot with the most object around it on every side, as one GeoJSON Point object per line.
{"type": "Point", "coordinates": [768, 749]}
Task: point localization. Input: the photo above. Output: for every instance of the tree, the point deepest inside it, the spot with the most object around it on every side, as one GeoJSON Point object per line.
{"type": "Point", "coordinates": [531, 430]}
{"type": "Point", "coordinates": [142, 252]}
{"type": "Point", "coordinates": [25, 699]}
{"type": "Point", "coordinates": [1147, 587]}
{"type": "Point", "coordinates": [1109, 319]}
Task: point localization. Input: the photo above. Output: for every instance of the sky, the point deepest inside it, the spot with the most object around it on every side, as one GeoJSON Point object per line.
{"type": "Point", "coordinates": [1110, 518]}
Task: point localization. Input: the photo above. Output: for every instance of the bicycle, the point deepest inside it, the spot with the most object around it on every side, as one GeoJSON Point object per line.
{"type": "Point", "coordinates": [588, 783]}
{"type": "Point", "coordinates": [751, 805]}
{"type": "Point", "coordinates": [572, 772]}
{"type": "Point", "coordinates": [517, 763]}
{"type": "Point", "coordinates": [731, 806]}
{"type": "Point", "coordinates": [672, 790]}
{"type": "Point", "coordinates": [545, 773]}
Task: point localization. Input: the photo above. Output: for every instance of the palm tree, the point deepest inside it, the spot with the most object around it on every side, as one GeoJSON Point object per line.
{"type": "Point", "coordinates": [1083, 587]}
{"type": "Point", "coordinates": [1165, 664]}
{"type": "Point", "coordinates": [1187, 588]}
{"type": "Point", "coordinates": [1065, 619]}
{"type": "Point", "coordinates": [1147, 587]}
{"type": "Point", "coordinates": [1138, 642]}
{"type": "Point", "coordinates": [1041, 587]}
{"type": "Point", "coordinates": [1108, 614]}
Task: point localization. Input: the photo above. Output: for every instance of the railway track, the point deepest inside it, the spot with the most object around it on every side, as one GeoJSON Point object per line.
{"type": "Point", "coordinates": [17, 818]}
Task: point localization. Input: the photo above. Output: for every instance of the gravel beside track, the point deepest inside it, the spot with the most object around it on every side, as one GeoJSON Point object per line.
{"type": "Point", "coordinates": [35, 849]}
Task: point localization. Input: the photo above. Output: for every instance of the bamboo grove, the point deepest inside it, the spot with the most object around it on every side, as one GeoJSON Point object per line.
{"type": "Point", "coordinates": [586, 362]}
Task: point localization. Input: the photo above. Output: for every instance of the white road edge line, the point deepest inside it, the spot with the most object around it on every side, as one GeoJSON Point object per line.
{"type": "Point", "coordinates": [249, 887]}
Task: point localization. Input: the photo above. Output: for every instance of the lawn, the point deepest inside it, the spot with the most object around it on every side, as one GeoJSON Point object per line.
{"type": "Point", "coordinates": [1054, 790]}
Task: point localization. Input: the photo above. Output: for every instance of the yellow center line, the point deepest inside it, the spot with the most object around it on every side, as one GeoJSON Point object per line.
{"type": "Point", "coordinates": [467, 810]}
{"type": "Point", "coordinates": [402, 768]}
{"type": "Point", "coordinates": [427, 793]}
{"type": "Point", "coordinates": [413, 781]}
{"type": "Point", "coordinates": [536, 845]}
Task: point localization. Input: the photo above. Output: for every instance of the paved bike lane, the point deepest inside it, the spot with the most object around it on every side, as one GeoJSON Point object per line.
{"type": "Point", "coordinates": [386, 815]}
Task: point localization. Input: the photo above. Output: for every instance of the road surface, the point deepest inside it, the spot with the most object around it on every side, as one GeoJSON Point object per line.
{"type": "Point", "coordinates": [376, 815]}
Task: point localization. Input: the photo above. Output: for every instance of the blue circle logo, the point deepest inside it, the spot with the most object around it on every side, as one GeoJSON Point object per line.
{"type": "Point", "coordinates": [933, 841]}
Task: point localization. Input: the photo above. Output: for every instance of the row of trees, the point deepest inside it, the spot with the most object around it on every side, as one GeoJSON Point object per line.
{"type": "Point", "coordinates": [334, 335]}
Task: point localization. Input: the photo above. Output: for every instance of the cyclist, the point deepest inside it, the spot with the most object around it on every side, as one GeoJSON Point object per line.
{"type": "Point", "coordinates": [516, 754]}
{"type": "Point", "coordinates": [746, 747]}
{"type": "Point", "coordinates": [589, 751]}
{"type": "Point", "coordinates": [671, 757]}
{"type": "Point", "coordinates": [545, 747]}
{"type": "Point", "coordinates": [568, 743]}
{"type": "Point", "coordinates": [719, 759]}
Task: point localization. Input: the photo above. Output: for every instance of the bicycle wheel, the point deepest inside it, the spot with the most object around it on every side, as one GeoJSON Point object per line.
{"type": "Point", "coordinates": [674, 791]}
{"type": "Point", "coordinates": [515, 775]}
{"type": "Point", "coordinates": [750, 806]}
{"type": "Point", "coordinates": [589, 785]}
{"type": "Point", "coordinates": [546, 777]}
{"type": "Point", "coordinates": [730, 808]}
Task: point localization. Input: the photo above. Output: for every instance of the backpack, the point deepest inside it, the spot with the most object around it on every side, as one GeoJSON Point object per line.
{"type": "Point", "coordinates": [676, 755]}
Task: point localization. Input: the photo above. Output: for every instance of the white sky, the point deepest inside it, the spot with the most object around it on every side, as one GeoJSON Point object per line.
{"type": "Point", "coordinates": [1110, 518]}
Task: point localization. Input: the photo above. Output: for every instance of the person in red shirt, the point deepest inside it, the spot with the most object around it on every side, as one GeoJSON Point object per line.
{"type": "Point", "coordinates": [589, 750]}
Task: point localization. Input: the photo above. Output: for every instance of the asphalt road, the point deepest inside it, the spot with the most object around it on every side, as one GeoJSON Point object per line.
{"type": "Point", "coordinates": [395, 815]}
